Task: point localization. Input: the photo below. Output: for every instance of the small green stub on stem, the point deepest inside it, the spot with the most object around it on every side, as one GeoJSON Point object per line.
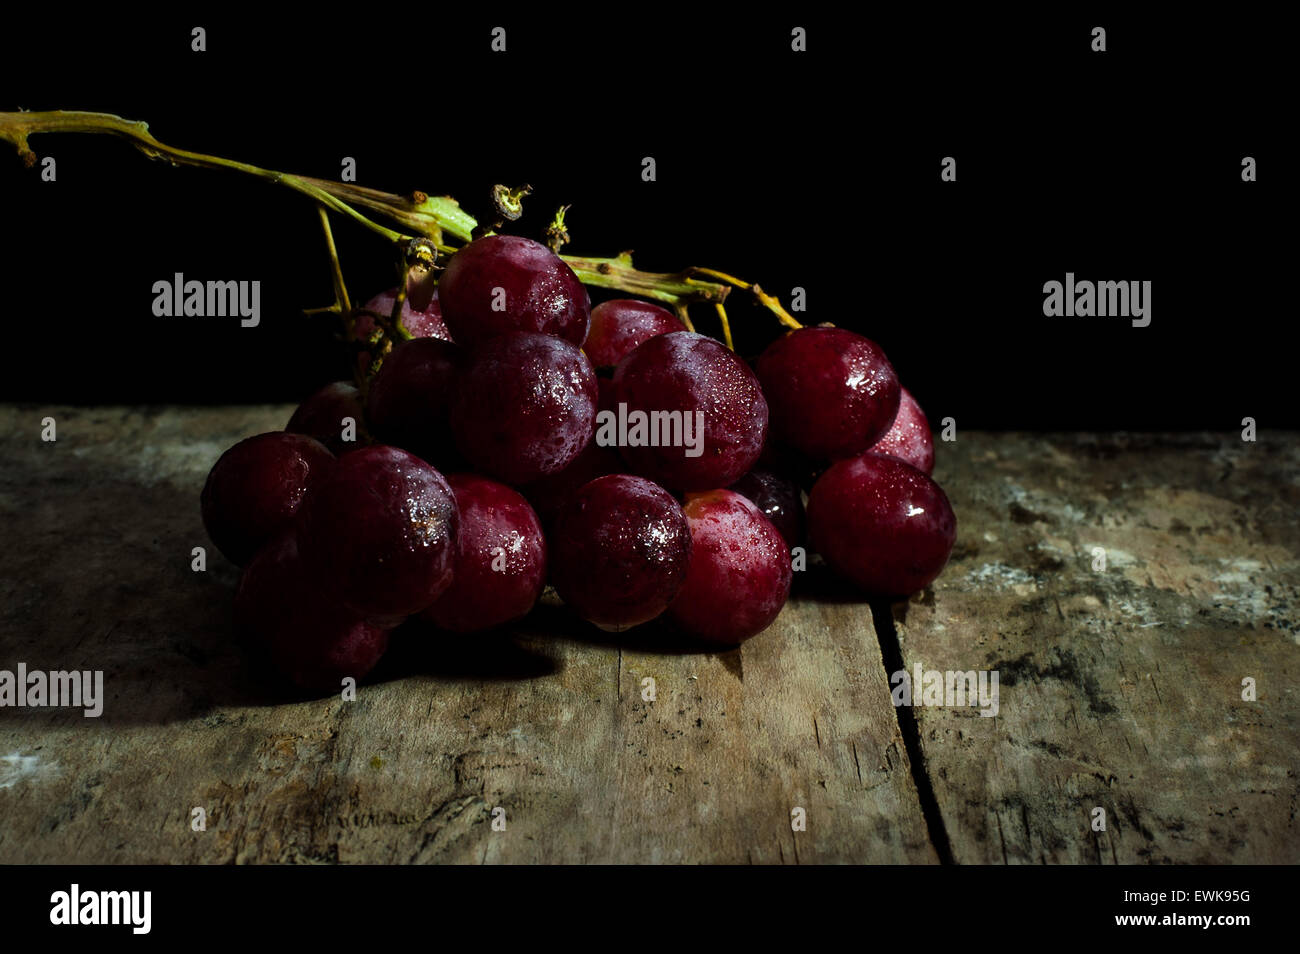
{"type": "Point", "coordinates": [421, 280]}
{"type": "Point", "coordinates": [557, 236]}
{"type": "Point", "coordinates": [509, 203]}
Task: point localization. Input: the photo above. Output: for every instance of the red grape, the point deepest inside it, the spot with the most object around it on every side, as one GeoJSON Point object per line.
{"type": "Point", "coordinates": [409, 402]}
{"type": "Point", "coordinates": [503, 283]}
{"type": "Point", "coordinates": [524, 407]}
{"type": "Point", "coordinates": [620, 325]}
{"type": "Point", "coordinates": [427, 323]}
{"type": "Point", "coordinates": [739, 577]}
{"type": "Point", "coordinates": [619, 551]}
{"type": "Point", "coordinates": [302, 632]}
{"type": "Point", "coordinates": [321, 416]}
{"type": "Point", "coordinates": [256, 487]}
{"type": "Point", "coordinates": [500, 565]}
{"type": "Point", "coordinates": [881, 523]}
{"type": "Point", "coordinates": [833, 393]}
{"type": "Point", "coordinates": [909, 438]}
{"type": "Point", "coordinates": [778, 499]}
{"type": "Point", "coordinates": [685, 372]}
{"type": "Point", "coordinates": [549, 494]}
{"type": "Point", "coordinates": [380, 533]}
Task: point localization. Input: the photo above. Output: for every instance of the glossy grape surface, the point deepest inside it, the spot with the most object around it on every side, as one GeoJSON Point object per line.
{"type": "Point", "coordinates": [619, 551]}
{"type": "Point", "coordinates": [524, 407]}
{"type": "Point", "coordinates": [909, 437]}
{"type": "Point", "coordinates": [503, 283]}
{"type": "Point", "coordinates": [423, 323]}
{"type": "Point", "coordinates": [881, 523]}
{"type": "Point", "coordinates": [380, 533]}
{"type": "Point", "coordinates": [549, 494]}
{"type": "Point", "coordinates": [779, 499]}
{"type": "Point", "coordinates": [833, 393]}
{"type": "Point", "coordinates": [686, 372]}
{"type": "Point", "coordinates": [500, 565]}
{"type": "Point", "coordinates": [256, 487]}
{"type": "Point", "coordinates": [739, 577]}
{"type": "Point", "coordinates": [618, 326]}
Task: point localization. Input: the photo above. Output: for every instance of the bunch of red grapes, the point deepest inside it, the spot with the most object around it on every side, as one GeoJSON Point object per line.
{"type": "Point", "coordinates": [500, 390]}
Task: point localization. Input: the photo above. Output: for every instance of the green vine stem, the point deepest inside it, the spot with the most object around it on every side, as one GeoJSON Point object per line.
{"type": "Point", "coordinates": [16, 127]}
{"type": "Point", "coordinates": [433, 217]}
{"type": "Point", "coordinates": [342, 303]}
{"type": "Point", "coordinates": [618, 273]}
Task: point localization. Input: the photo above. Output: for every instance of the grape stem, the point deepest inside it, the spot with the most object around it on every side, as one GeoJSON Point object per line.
{"type": "Point", "coordinates": [684, 316]}
{"type": "Point", "coordinates": [770, 302]}
{"type": "Point", "coordinates": [726, 326]}
{"type": "Point", "coordinates": [431, 217]}
{"type": "Point", "coordinates": [341, 301]}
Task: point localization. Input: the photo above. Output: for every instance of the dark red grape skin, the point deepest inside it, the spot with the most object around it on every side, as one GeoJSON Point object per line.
{"type": "Point", "coordinates": [283, 617]}
{"type": "Point", "coordinates": [549, 494]}
{"type": "Point", "coordinates": [780, 458]}
{"type": "Point", "coordinates": [541, 293]}
{"type": "Point", "coordinates": [777, 498]}
{"type": "Point", "coordinates": [256, 487]}
{"type": "Point", "coordinates": [909, 437]}
{"type": "Point", "coordinates": [500, 565]}
{"type": "Point", "coordinates": [524, 407]}
{"type": "Point", "coordinates": [321, 416]}
{"type": "Point", "coordinates": [833, 393]}
{"type": "Point", "coordinates": [620, 550]}
{"type": "Point", "coordinates": [620, 325]}
{"type": "Point", "coordinates": [882, 524]}
{"type": "Point", "coordinates": [380, 533]}
{"type": "Point", "coordinates": [409, 403]}
{"type": "Point", "coordinates": [606, 401]}
{"type": "Point", "coordinates": [740, 573]}
{"type": "Point", "coordinates": [683, 371]}
{"type": "Point", "coordinates": [425, 323]}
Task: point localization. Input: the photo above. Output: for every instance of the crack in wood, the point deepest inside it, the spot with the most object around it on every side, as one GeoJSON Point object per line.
{"type": "Point", "coordinates": [891, 654]}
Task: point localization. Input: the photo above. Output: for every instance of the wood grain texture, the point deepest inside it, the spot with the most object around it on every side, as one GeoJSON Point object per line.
{"type": "Point", "coordinates": [1120, 688]}
{"type": "Point", "coordinates": [548, 724]}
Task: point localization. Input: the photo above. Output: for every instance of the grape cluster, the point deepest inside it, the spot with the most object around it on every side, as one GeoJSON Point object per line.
{"type": "Point", "coordinates": [346, 526]}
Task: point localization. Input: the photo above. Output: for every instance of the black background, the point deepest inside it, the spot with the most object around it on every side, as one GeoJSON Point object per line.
{"type": "Point", "coordinates": [332, 904]}
{"type": "Point", "coordinates": [818, 169]}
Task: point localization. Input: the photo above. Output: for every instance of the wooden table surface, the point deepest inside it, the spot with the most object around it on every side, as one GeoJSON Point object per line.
{"type": "Point", "coordinates": [1120, 689]}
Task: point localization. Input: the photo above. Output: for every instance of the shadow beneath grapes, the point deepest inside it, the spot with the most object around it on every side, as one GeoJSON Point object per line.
{"type": "Point", "coordinates": [658, 636]}
{"type": "Point", "coordinates": [821, 584]}
{"type": "Point", "coordinates": [101, 578]}
{"type": "Point", "coordinates": [101, 575]}
{"type": "Point", "coordinates": [418, 649]}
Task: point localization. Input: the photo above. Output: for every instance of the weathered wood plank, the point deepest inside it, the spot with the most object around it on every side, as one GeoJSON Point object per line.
{"type": "Point", "coordinates": [549, 725]}
{"type": "Point", "coordinates": [1122, 688]}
